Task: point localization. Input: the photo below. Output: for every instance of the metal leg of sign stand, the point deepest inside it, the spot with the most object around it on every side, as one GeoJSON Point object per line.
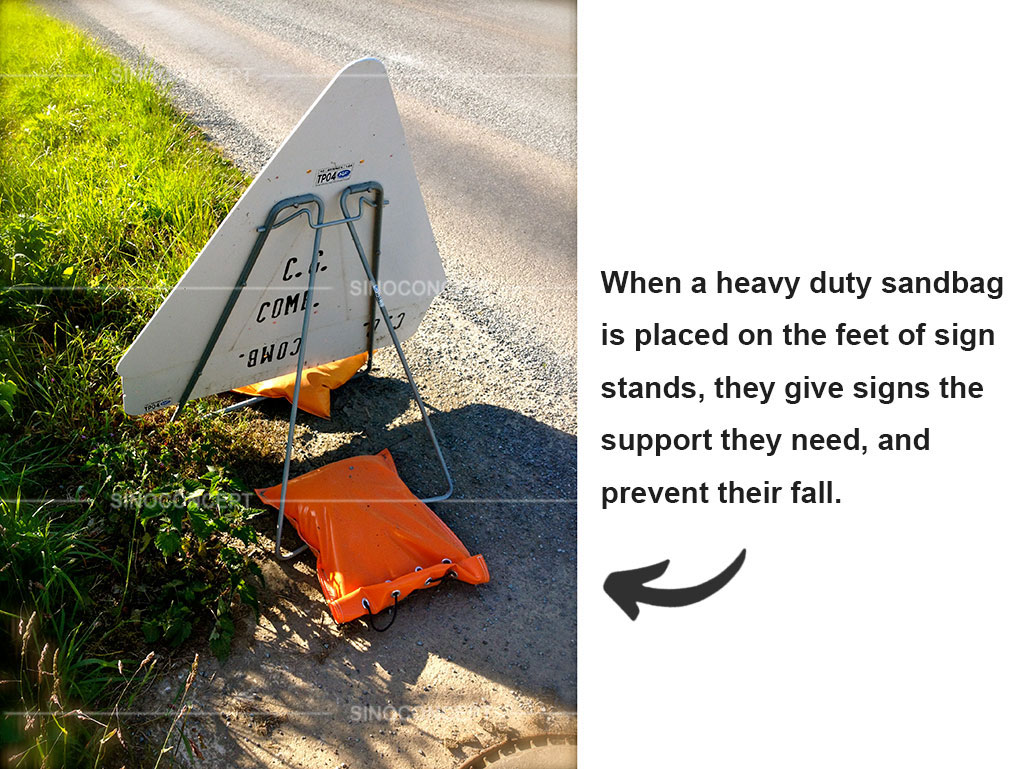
{"type": "Point", "coordinates": [370, 267]}
{"type": "Point", "coordinates": [241, 405]}
{"type": "Point", "coordinates": [371, 275]}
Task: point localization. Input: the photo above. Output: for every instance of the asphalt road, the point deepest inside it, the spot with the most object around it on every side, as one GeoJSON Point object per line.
{"type": "Point", "coordinates": [486, 91]}
{"type": "Point", "coordinates": [487, 97]}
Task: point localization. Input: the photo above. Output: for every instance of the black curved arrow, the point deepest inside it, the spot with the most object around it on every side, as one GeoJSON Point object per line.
{"type": "Point", "coordinates": [628, 588]}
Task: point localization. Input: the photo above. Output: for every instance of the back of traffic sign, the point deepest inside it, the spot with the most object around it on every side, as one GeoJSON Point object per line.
{"type": "Point", "coordinates": [351, 134]}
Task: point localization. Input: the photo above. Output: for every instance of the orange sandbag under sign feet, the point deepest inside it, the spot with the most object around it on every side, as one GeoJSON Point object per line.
{"type": "Point", "coordinates": [317, 383]}
{"type": "Point", "coordinates": [374, 540]}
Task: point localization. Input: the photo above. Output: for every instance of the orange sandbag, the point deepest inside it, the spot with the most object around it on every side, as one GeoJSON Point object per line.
{"type": "Point", "coordinates": [374, 540]}
{"type": "Point", "coordinates": [317, 383]}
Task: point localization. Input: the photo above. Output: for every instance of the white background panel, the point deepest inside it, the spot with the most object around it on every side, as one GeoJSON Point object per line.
{"type": "Point", "coordinates": [786, 139]}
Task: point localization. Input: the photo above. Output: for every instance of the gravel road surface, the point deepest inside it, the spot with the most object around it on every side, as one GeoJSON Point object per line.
{"type": "Point", "coordinates": [486, 91]}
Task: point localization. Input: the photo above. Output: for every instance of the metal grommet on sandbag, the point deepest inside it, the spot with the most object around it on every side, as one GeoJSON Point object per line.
{"type": "Point", "coordinates": [447, 574]}
{"type": "Point", "coordinates": [394, 612]}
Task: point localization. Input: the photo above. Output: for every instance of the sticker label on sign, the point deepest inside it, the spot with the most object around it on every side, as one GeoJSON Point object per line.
{"type": "Point", "coordinates": [333, 174]}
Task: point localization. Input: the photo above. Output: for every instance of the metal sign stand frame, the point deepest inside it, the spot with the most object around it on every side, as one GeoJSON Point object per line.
{"type": "Point", "coordinates": [377, 302]}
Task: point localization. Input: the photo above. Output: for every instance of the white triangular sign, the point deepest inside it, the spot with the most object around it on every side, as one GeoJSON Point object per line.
{"type": "Point", "coordinates": [351, 134]}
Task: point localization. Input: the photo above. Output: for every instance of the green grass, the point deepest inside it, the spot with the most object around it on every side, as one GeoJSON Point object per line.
{"type": "Point", "coordinates": [106, 195]}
